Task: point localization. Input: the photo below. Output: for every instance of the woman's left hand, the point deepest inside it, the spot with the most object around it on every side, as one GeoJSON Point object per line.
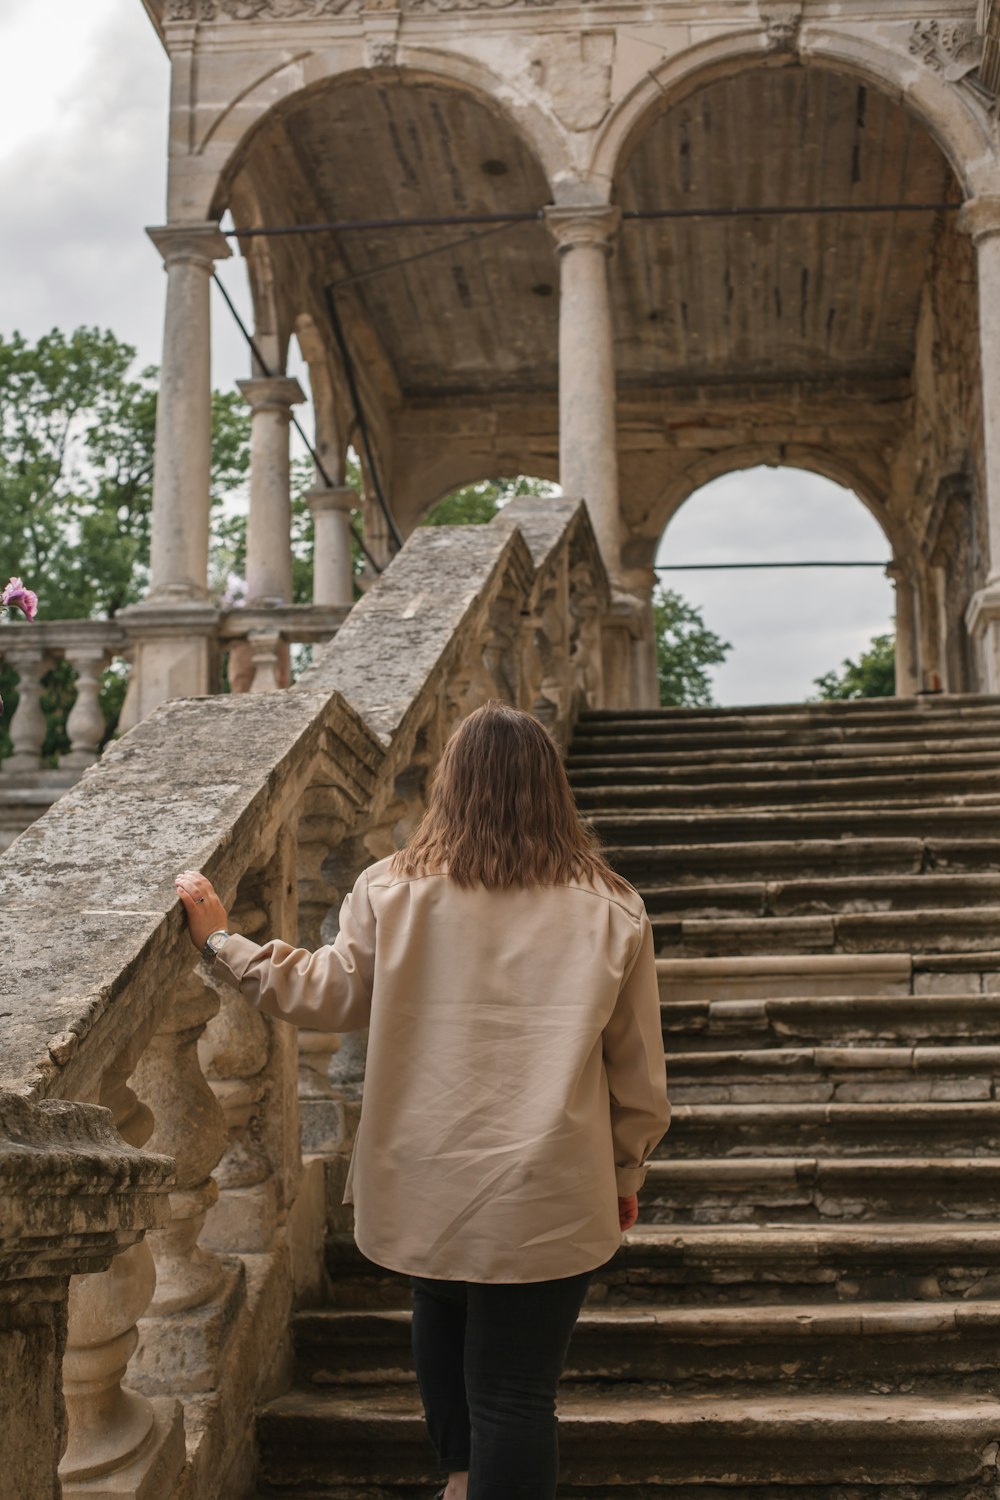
{"type": "Point", "coordinates": [204, 911]}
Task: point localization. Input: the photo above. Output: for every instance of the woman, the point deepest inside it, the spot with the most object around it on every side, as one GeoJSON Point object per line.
{"type": "Point", "coordinates": [515, 1081]}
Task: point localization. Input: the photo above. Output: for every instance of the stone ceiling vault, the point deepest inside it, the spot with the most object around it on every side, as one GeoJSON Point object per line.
{"type": "Point", "coordinates": [696, 302]}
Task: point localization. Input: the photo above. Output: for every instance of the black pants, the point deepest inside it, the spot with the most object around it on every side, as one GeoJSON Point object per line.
{"type": "Point", "coordinates": [488, 1361]}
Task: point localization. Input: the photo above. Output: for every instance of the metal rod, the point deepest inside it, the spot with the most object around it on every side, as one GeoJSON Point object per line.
{"type": "Point", "coordinates": [394, 265]}
{"type": "Point", "coordinates": [629, 216]}
{"type": "Point", "coordinates": [260, 360]}
{"type": "Point", "coordinates": [764, 210]}
{"type": "Point", "coordinates": [423, 221]}
{"type": "Point", "coordinates": [340, 339]}
{"type": "Point", "coordinates": [713, 567]}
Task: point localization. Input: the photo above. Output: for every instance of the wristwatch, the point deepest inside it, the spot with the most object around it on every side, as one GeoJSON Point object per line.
{"type": "Point", "coordinates": [214, 944]}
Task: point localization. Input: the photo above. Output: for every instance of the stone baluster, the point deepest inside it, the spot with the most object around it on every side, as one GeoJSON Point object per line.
{"type": "Point", "coordinates": [333, 572]}
{"type": "Point", "coordinates": [234, 1052]}
{"type": "Point", "coordinates": [27, 727]}
{"type": "Point", "coordinates": [588, 432]}
{"type": "Point", "coordinates": [183, 1337]}
{"type": "Point", "coordinates": [115, 1431]}
{"type": "Point", "coordinates": [269, 654]}
{"type": "Point", "coordinates": [85, 721]}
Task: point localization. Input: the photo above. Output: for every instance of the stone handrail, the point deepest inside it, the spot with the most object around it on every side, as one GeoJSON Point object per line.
{"type": "Point", "coordinates": [115, 1033]}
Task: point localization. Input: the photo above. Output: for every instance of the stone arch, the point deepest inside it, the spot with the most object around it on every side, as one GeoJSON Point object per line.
{"type": "Point", "coordinates": [280, 89]}
{"type": "Point", "coordinates": [417, 494]}
{"type": "Point", "coordinates": [694, 476]}
{"type": "Point", "coordinates": [955, 121]}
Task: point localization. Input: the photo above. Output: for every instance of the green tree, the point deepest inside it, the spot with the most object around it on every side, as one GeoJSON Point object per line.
{"type": "Point", "coordinates": [76, 469]}
{"type": "Point", "coordinates": [475, 504]}
{"type": "Point", "coordinates": [873, 675]}
{"type": "Point", "coordinates": [685, 649]}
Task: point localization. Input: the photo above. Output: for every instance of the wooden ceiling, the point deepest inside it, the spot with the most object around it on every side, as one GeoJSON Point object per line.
{"type": "Point", "coordinates": [830, 294]}
{"type": "Point", "coordinates": [732, 299]}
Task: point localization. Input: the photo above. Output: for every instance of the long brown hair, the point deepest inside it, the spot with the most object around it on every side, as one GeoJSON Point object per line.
{"type": "Point", "coordinates": [501, 812]}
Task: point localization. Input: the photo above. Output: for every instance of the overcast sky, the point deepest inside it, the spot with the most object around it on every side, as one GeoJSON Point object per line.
{"type": "Point", "coordinates": [83, 111]}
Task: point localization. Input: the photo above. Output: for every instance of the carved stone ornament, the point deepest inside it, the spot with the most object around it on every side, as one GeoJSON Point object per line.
{"type": "Point", "coordinates": [446, 5]}
{"type": "Point", "coordinates": [381, 51]}
{"type": "Point", "coordinates": [951, 48]}
{"type": "Point", "coordinates": [782, 22]}
{"type": "Point", "coordinates": [255, 10]}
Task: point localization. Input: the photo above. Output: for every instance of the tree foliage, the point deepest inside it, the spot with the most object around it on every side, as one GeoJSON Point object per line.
{"type": "Point", "coordinates": [685, 650]}
{"type": "Point", "coordinates": [77, 426]}
{"type": "Point", "coordinates": [873, 675]}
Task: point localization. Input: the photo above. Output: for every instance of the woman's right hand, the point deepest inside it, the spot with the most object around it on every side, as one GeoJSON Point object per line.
{"type": "Point", "coordinates": [628, 1211]}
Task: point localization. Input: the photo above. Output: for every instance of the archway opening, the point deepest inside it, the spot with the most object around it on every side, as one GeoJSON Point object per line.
{"type": "Point", "coordinates": [787, 626]}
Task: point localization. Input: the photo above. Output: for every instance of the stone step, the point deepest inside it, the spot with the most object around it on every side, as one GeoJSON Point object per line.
{"type": "Point", "coordinates": [650, 865]}
{"type": "Point", "coordinates": [956, 789]}
{"type": "Point", "coordinates": [691, 1264]}
{"type": "Point", "coordinates": [779, 735]}
{"type": "Point", "coordinates": [924, 706]}
{"type": "Point", "coordinates": [927, 929]}
{"type": "Point", "coordinates": [759, 761]}
{"type": "Point", "coordinates": [811, 895]}
{"type": "Point", "coordinates": [820, 1189]}
{"type": "Point", "coordinates": [630, 1435]}
{"type": "Point", "coordinates": [880, 1020]}
{"type": "Point", "coordinates": [800, 1258]}
{"type": "Point", "coordinates": [894, 1128]}
{"type": "Point", "coordinates": [755, 825]}
{"type": "Point", "coordinates": [687, 1349]}
{"type": "Point", "coordinates": [844, 1075]}
{"type": "Point", "coordinates": [767, 976]}
{"type": "Point", "coordinates": [797, 782]}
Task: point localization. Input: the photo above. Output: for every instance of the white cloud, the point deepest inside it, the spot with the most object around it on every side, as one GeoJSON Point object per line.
{"type": "Point", "coordinates": [787, 625]}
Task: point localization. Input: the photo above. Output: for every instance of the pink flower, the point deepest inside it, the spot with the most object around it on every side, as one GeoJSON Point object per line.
{"type": "Point", "coordinates": [16, 596]}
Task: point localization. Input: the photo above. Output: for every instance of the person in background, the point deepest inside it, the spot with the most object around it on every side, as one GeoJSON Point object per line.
{"type": "Point", "coordinates": [514, 1088]}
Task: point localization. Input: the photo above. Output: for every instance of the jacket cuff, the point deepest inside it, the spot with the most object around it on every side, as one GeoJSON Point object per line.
{"type": "Point", "coordinates": [628, 1180]}
{"type": "Point", "coordinates": [234, 958]}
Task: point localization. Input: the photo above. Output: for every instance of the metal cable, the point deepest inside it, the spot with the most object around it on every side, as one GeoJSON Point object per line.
{"type": "Point", "coordinates": [317, 460]}
{"type": "Point", "coordinates": [359, 413]}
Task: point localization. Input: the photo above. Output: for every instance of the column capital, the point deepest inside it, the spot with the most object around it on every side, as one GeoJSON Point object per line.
{"type": "Point", "coordinates": [593, 224]}
{"type": "Point", "coordinates": [271, 393]}
{"type": "Point", "coordinates": [203, 244]}
{"type": "Point", "coordinates": [339, 497]}
{"type": "Point", "coordinates": [979, 218]}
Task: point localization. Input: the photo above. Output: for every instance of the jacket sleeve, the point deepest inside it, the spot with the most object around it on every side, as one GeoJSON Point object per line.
{"type": "Point", "coordinates": [329, 990]}
{"type": "Point", "coordinates": [636, 1068]}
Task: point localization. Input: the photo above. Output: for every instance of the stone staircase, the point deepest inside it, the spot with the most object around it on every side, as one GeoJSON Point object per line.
{"type": "Point", "coordinates": [811, 1304]}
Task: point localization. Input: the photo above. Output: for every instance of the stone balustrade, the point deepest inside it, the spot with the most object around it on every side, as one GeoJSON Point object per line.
{"type": "Point", "coordinates": [135, 1097]}
{"type": "Point", "coordinates": [253, 643]}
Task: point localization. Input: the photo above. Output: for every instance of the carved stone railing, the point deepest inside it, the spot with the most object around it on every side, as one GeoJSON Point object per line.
{"type": "Point", "coordinates": [254, 644]}
{"type": "Point", "coordinates": [135, 1096]}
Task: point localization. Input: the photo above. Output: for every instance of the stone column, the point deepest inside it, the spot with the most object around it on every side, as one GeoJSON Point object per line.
{"type": "Point", "coordinates": [173, 631]}
{"type": "Point", "coordinates": [588, 439]}
{"type": "Point", "coordinates": [183, 461]}
{"type": "Point", "coordinates": [269, 528]}
{"type": "Point", "coordinates": [907, 645]}
{"type": "Point", "coordinates": [980, 218]}
{"type": "Point", "coordinates": [333, 573]}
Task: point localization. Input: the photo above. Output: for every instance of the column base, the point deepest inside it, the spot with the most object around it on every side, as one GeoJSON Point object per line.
{"type": "Point", "coordinates": [982, 619]}
{"type": "Point", "coordinates": [153, 1473]}
{"type": "Point", "coordinates": [174, 653]}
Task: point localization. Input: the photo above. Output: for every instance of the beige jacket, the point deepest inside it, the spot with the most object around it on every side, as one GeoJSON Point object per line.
{"type": "Point", "coordinates": [515, 1081]}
